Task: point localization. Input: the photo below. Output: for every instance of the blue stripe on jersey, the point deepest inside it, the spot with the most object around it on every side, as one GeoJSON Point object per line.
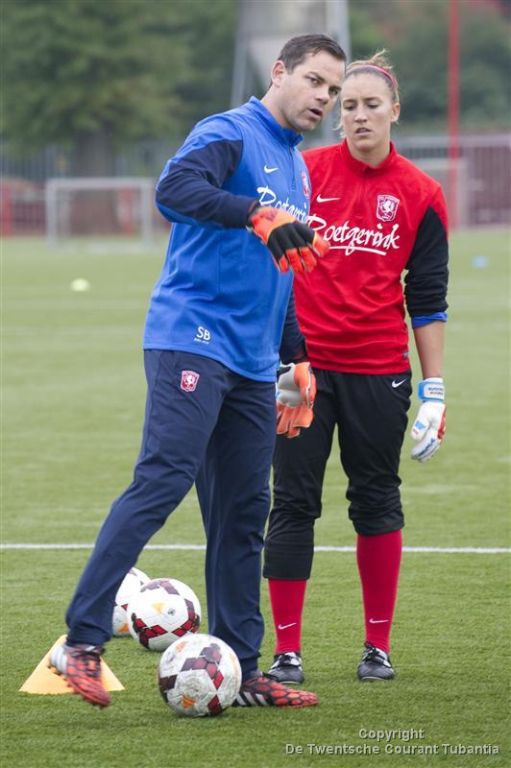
{"type": "Point", "coordinates": [419, 321]}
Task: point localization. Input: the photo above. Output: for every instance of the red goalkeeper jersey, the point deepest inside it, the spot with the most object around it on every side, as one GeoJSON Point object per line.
{"type": "Point", "coordinates": [382, 223]}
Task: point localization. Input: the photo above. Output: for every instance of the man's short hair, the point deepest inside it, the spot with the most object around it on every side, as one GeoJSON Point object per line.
{"type": "Point", "coordinates": [297, 48]}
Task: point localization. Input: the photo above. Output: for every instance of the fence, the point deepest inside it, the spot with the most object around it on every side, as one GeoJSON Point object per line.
{"type": "Point", "coordinates": [483, 175]}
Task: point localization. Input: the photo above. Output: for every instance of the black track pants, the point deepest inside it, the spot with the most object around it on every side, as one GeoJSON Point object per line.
{"type": "Point", "coordinates": [371, 415]}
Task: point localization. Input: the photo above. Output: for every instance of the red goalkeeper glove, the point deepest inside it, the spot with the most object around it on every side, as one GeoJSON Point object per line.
{"type": "Point", "coordinates": [293, 245]}
{"type": "Point", "coordinates": [296, 391]}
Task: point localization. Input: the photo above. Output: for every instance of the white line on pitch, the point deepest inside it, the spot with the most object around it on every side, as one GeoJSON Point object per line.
{"type": "Point", "coordinates": [202, 547]}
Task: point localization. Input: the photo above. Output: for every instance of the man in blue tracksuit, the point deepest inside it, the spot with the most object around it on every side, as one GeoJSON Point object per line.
{"type": "Point", "coordinates": [220, 317]}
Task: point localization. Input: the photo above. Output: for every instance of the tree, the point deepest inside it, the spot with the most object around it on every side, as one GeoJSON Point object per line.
{"type": "Point", "coordinates": [416, 35]}
{"type": "Point", "coordinates": [485, 68]}
{"type": "Point", "coordinates": [96, 74]}
{"type": "Point", "coordinates": [364, 32]}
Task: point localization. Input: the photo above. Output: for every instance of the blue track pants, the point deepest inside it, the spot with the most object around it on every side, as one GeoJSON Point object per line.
{"type": "Point", "coordinates": [203, 424]}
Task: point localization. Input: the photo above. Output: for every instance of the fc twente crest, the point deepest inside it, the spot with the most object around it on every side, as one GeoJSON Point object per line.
{"type": "Point", "coordinates": [306, 186]}
{"type": "Point", "coordinates": [386, 207]}
{"type": "Point", "coordinates": [189, 380]}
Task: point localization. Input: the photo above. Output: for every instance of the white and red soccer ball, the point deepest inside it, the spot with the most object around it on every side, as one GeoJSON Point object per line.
{"type": "Point", "coordinates": [131, 584]}
{"type": "Point", "coordinates": [163, 611]}
{"type": "Point", "coordinates": [199, 676]}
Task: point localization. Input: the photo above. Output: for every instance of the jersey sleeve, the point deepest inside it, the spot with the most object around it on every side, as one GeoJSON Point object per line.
{"type": "Point", "coordinates": [292, 347]}
{"type": "Point", "coordinates": [189, 189]}
{"type": "Point", "coordinates": [427, 268]}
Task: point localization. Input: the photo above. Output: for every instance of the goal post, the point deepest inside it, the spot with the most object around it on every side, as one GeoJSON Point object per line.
{"type": "Point", "coordinates": [99, 207]}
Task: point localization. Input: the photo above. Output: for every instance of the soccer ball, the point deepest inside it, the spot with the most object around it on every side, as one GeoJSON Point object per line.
{"type": "Point", "coordinates": [131, 584]}
{"type": "Point", "coordinates": [199, 675]}
{"type": "Point", "coordinates": [163, 611]}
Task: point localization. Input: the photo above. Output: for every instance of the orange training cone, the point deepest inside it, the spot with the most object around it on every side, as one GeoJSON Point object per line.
{"type": "Point", "coordinates": [44, 681]}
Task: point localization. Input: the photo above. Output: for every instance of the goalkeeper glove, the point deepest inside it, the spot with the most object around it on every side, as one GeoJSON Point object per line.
{"type": "Point", "coordinates": [429, 427]}
{"type": "Point", "coordinates": [293, 245]}
{"type": "Point", "coordinates": [296, 391]}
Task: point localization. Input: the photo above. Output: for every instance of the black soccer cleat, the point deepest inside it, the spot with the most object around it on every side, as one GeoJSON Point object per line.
{"type": "Point", "coordinates": [375, 665]}
{"type": "Point", "coordinates": [287, 668]}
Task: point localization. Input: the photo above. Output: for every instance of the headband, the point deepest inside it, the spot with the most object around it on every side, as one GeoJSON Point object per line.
{"type": "Point", "coordinates": [390, 77]}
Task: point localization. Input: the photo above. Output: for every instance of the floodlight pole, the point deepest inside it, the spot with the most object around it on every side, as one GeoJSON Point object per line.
{"type": "Point", "coordinates": [337, 26]}
{"type": "Point", "coordinates": [453, 110]}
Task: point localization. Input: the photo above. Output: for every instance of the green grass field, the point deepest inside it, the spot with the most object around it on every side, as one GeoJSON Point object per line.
{"type": "Point", "coordinates": [73, 400]}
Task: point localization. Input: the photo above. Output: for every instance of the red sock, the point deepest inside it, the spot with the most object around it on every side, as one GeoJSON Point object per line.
{"type": "Point", "coordinates": [287, 598]}
{"type": "Point", "coordinates": [379, 558]}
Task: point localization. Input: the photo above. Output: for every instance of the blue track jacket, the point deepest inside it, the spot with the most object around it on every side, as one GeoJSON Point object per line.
{"type": "Point", "coordinates": [220, 294]}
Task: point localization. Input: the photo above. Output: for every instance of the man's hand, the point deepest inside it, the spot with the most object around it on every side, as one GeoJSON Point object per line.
{"type": "Point", "coordinates": [296, 391]}
{"type": "Point", "coordinates": [429, 427]}
{"type": "Point", "coordinates": [293, 245]}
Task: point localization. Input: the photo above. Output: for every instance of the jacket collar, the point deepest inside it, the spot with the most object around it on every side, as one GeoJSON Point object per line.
{"type": "Point", "coordinates": [359, 167]}
{"type": "Point", "coordinates": [286, 135]}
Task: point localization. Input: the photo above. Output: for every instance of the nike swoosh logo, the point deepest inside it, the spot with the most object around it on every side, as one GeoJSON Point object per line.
{"type": "Point", "coordinates": [267, 169]}
{"type": "Point", "coordinates": [396, 384]}
{"type": "Point", "coordinates": [321, 199]}
{"type": "Point", "coordinates": [286, 626]}
{"type": "Point", "coordinates": [378, 621]}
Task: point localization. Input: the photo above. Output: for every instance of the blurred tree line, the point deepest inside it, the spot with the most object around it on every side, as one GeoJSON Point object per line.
{"type": "Point", "coordinates": [99, 74]}
{"type": "Point", "coordinates": [415, 32]}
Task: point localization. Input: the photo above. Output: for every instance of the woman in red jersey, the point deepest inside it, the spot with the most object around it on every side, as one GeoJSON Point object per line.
{"type": "Point", "coordinates": [384, 219]}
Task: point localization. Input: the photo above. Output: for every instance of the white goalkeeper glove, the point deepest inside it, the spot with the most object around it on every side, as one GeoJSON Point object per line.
{"type": "Point", "coordinates": [296, 391]}
{"type": "Point", "coordinates": [429, 427]}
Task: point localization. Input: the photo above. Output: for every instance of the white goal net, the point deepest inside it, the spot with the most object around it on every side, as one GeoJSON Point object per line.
{"type": "Point", "coordinates": [439, 168]}
{"type": "Point", "coordinates": [101, 208]}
